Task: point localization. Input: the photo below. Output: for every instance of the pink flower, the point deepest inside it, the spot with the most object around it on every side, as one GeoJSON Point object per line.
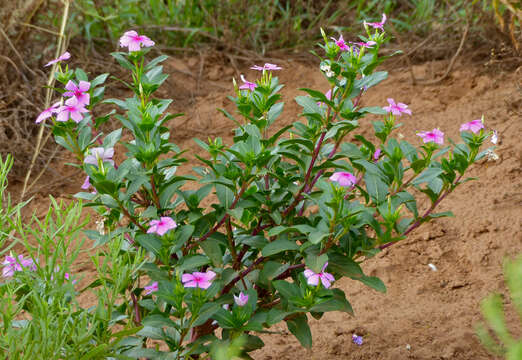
{"type": "Point", "coordinates": [63, 57]}
{"type": "Point", "coordinates": [100, 153]}
{"type": "Point", "coordinates": [397, 109]}
{"type": "Point", "coordinates": [247, 84]}
{"type": "Point", "coordinates": [151, 288]}
{"type": "Point", "coordinates": [328, 95]}
{"type": "Point", "coordinates": [377, 25]}
{"type": "Point", "coordinates": [473, 126]}
{"type": "Point", "coordinates": [267, 66]}
{"type": "Point", "coordinates": [12, 264]}
{"type": "Point", "coordinates": [134, 42]}
{"type": "Point", "coordinates": [162, 225]}
{"type": "Point", "coordinates": [241, 300]}
{"type": "Point", "coordinates": [435, 136]}
{"type": "Point", "coordinates": [47, 113]}
{"type": "Point", "coordinates": [376, 154]}
{"type": "Point", "coordinates": [313, 278]}
{"type": "Point", "coordinates": [345, 179]}
{"type": "Point", "coordinates": [79, 92]}
{"type": "Point", "coordinates": [368, 44]}
{"type": "Point", "coordinates": [198, 279]}
{"type": "Point", "coordinates": [340, 43]}
{"type": "Point", "coordinates": [72, 109]}
{"type": "Point", "coordinates": [86, 184]}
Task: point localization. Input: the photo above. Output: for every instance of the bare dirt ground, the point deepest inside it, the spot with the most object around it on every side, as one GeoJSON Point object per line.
{"type": "Point", "coordinates": [425, 314]}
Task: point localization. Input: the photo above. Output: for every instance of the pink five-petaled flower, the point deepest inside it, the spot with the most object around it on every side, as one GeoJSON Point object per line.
{"type": "Point", "coordinates": [435, 136]}
{"type": "Point", "coordinates": [100, 153]}
{"type": "Point", "coordinates": [376, 154]}
{"type": "Point", "coordinates": [241, 300]}
{"type": "Point", "coordinates": [397, 109]}
{"type": "Point", "coordinates": [341, 43]}
{"type": "Point", "coordinates": [313, 278]}
{"type": "Point", "coordinates": [162, 225]}
{"type": "Point", "coordinates": [267, 66]}
{"type": "Point", "coordinates": [151, 288]}
{"type": "Point", "coordinates": [473, 126]}
{"type": "Point", "coordinates": [63, 57]}
{"type": "Point", "coordinates": [12, 264]}
{"type": "Point", "coordinates": [134, 42]}
{"type": "Point", "coordinates": [345, 179]}
{"type": "Point", "coordinates": [86, 184]}
{"type": "Point", "coordinates": [377, 25]}
{"type": "Point", "coordinates": [247, 84]}
{"type": "Point", "coordinates": [357, 340]}
{"type": "Point", "coordinates": [368, 44]}
{"type": "Point", "coordinates": [47, 113]}
{"type": "Point", "coordinates": [328, 95]}
{"type": "Point", "coordinates": [198, 279]}
{"type": "Point", "coordinates": [79, 92]}
{"type": "Point", "coordinates": [72, 109]}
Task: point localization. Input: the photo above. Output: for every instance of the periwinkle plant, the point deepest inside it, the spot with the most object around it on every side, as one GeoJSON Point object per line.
{"type": "Point", "coordinates": [293, 212]}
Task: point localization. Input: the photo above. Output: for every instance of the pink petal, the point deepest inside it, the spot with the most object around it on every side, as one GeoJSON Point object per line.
{"type": "Point", "coordinates": [71, 86]}
{"type": "Point", "coordinates": [84, 86]}
{"type": "Point", "coordinates": [63, 115]}
{"type": "Point", "coordinates": [187, 277]}
{"type": "Point", "coordinates": [313, 280]}
{"type": "Point", "coordinates": [191, 284]}
{"type": "Point", "coordinates": [204, 284]}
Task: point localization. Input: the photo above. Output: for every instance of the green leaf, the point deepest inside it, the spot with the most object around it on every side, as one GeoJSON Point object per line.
{"type": "Point", "coordinates": [112, 138]}
{"type": "Point", "coordinates": [371, 80]}
{"type": "Point", "coordinates": [373, 282]}
{"type": "Point", "coordinates": [192, 262]}
{"type": "Point", "coordinates": [150, 242]}
{"type": "Point", "coordinates": [278, 246]}
{"type": "Point", "coordinates": [337, 303]}
{"type": "Point", "coordinates": [377, 188]}
{"type": "Point", "coordinates": [270, 271]}
{"type": "Point", "coordinates": [181, 235]}
{"type": "Point", "coordinates": [206, 312]}
{"type": "Point", "coordinates": [309, 105]}
{"type": "Point", "coordinates": [276, 315]}
{"type": "Point", "coordinates": [343, 265]}
{"type": "Point", "coordinates": [158, 321]}
{"type": "Point", "coordinates": [213, 251]}
{"type": "Point", "coordinates": [315, 263]}
{"type": "Point", "coordinates": [299, 327]}
{"type": "Point", "coordinates": [286, 289]}
{"type": "Point", "coordinates": [427, 175]}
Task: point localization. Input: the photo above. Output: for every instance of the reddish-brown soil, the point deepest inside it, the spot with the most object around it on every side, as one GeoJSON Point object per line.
{"type": "Point", "coordinates": [425, 314]}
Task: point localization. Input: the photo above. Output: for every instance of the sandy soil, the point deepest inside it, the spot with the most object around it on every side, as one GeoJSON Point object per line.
{"type": "Point", "coordinates": [425, 314]}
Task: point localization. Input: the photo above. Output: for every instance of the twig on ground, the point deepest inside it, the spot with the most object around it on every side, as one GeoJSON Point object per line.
{"type": "Point", "coordinates": [48, 96]}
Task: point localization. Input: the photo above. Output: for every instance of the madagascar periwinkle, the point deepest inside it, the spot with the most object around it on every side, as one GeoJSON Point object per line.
{"type": "Point", "coordinates": [293, 208]}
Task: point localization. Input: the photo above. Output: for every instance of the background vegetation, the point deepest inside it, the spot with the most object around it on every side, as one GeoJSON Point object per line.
{"type": "Point", "coordinates": [246, 28]}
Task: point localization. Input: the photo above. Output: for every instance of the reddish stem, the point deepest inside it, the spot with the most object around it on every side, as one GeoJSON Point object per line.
{"type": "Point", "coordinates": [417, 223]}
{"type": "Point", "coordinates": [222, 221]}
{"type": "Point", "coordinates": [298, 196]}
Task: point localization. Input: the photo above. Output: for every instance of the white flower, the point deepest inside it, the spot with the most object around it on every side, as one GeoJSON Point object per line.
{"type": "Point", "coordinates": [494, 137]}
{"type": "Point", "coordinates": [329, 73]}
{"type": "Point", "coordinates": [325, 67]}
{"type": "Point", "coordinates": [491, 155]}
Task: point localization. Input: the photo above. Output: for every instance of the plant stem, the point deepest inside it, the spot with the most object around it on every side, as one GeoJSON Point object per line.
{"type": "Point", "coordinates": [222, 221]}
{"type": "Point", "coordinates": [137, 317]}
{"type": "Point", "coordinates": [244, 273]}
{"type": "Point", "coordinates": [298, 196]}
{"type": "Point", "coordinates": [417, 223]}
{"type": "Point", "coordinates": [154, 192]}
